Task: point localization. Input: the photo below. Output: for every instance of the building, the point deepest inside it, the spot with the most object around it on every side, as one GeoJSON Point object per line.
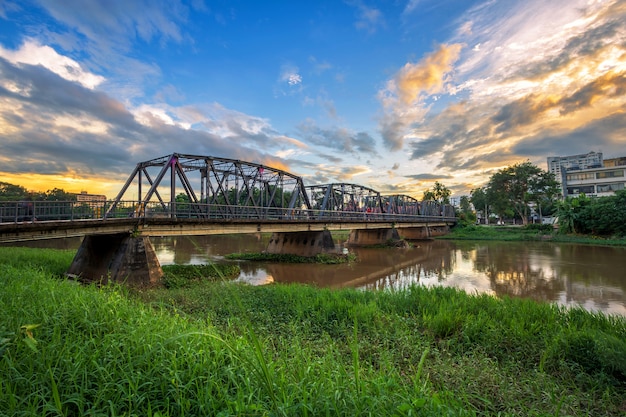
{"type": "Point", "coordinates": [559, 165]}
{"type": "Point", "coordinates": [588, 174]}
{"type": "Point", "coordinates": [615, 162]}
{"type": "Point", "coordinates": [595, 182]}
{"type": "Point", "coordinates": [92, 200]}
{"type": "Point", "coordinates": [556, 164]}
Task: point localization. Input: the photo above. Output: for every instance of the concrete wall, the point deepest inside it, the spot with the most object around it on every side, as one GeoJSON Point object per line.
{"type": "Point", "coordinates": [415, 233]}
{"type": "Point", "coordinates": [302, 243]}
{"type": "Point", "coordinates": [367, 237]}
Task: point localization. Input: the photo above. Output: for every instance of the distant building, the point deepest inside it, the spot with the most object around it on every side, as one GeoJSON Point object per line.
{"type": "Point", "coordinates": [559, 165]}
{"type": "Point", "coordinates": [588, 174]}
{"type": "Point", "coordinates": [595, 182]}
{"type": "Point", "coordinates": [615, 162]}
{"type": "Point", "coordinates": [92, 200]}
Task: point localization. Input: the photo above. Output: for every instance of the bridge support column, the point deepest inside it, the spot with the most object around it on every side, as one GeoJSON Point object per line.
{"type": "Point", "coordinates": [439, 230]}
{"type": "Point", "coordinates": [306, 243]}
{"type": "Point", "coordinates": [366, 237]}
{"type": "Point", "coordinates": [116, 258]}
{"type": "Point", "coordinates": [424, 232]}
{"type": "Point", "coordinates": [415, 233]}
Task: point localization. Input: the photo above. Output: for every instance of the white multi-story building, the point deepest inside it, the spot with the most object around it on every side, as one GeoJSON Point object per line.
{"type": "Point", "coordinates": [588, 174]}
{"type": "Point", "coordinates": [595, 182]}
{"type": "Point", "coordinates": [559, 164]}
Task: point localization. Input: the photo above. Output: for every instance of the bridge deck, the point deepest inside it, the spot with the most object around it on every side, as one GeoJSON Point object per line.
{"type": "Point", "coordinates": [40, 230]}
{"type": "Point", "coordinates": [53, 220]}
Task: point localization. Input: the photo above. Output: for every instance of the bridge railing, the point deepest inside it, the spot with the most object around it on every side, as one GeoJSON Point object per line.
{"type": "Point", "coordinates": [31, 211]}
{"type": "Point", "coordinates": [40, 211]}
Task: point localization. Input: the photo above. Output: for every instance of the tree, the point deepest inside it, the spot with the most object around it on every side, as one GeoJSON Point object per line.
{"type": "Point", "coordinates": [478, 197]}
{"type": "Point", "coordinates": [439, 193]}
{"type": "Point", "coordinates": [56, 194]}
{"type": "Point", "coordinates": [467, 215]}
{"type": "Point", "coordinates": [514, 188]}
{"type": "Point", "coordinates": [603, 216]}
{"type": "Point", "coordinates": [10, 192]}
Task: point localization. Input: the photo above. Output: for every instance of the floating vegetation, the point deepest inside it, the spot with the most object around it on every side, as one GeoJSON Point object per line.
{"type": "Point", "coordinates": [322, 258]}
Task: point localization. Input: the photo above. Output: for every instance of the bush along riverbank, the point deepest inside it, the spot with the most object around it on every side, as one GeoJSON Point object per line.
{"type": "Point", "coordinates": [531, 232]}
{"type": "Point", "coordinates": [219, 348]}
{"type": "Point", "coordinates": [322, 258]}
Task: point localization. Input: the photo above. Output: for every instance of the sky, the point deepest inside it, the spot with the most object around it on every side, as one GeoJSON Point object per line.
{"type": "Point", "coordinates": [392, 95]}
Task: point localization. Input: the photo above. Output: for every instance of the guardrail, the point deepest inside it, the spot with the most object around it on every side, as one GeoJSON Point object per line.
{"type": "Point", "coordinates": [42, 211]}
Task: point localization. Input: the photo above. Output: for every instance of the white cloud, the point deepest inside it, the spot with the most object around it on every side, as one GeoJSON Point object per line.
{"type": "Point", "coordinates": [290, 75]}
{"type": "Point", "coordinates": [33, 53]}
{"type": "Point", "coordinates": [369, 18]}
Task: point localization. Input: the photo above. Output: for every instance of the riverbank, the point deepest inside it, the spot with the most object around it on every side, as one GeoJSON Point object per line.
{"type": "Point", "coordinates": [216, 349]}
{"type": "Point", "coordinates": [526, 233]}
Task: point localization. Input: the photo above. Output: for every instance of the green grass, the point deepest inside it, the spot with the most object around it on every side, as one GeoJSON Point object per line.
{"type": "Point", "coordinates": [182, 276]}
{"type": "Point", "coordinates": [321, 258]}
{"type": "Point", "coordinates": [525, 233]}
{"type": "Point", "coordinates": [218, 348]}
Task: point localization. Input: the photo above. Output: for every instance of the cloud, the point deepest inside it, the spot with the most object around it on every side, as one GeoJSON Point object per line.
{"type": "Point", "coordinates": [30, 52]}
{"type": "Point", "coordinates": [411, 6]}
{"type": "Point", "coordinates": [52, 126]}
{"type": "Point", "coordinates": [531, 90]}
{"type": "Point", "coordinates": [341, 139]}
{"type": "Point", "coordinates": [103, 33]}
{"type": "Point", "coordinates": [403, 98]}
{"type": "Point", "coordinates": [428, 177]}
{"type": "Point", "coordinates": [368, 19]}
{"type": "Point", "coordinates": [289, 74]}
{"type": "Point", "coordinates": [415, 80]}
{"type": "Point", "coordinates": [7, 7]}
{"type": "Point", "coordinates": [319, 67]}
{"type": "Point", "coordinates": [325, 174]}
{"type": "Point", "coordinates": [117, 22]}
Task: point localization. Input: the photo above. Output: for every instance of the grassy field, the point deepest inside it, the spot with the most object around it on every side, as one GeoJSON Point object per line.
{"type": "Point", "coordinates": [531, 232]}
{"type": "Point", "coordinates": [209, 347]}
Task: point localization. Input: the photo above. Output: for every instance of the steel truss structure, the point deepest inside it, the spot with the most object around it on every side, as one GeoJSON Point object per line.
{"type": "Point", "coordinates": [402, 204]}
{"type": "Point", "coordinates": [345, 197]}
{"type": "Point", "coordinates": [206, 185]}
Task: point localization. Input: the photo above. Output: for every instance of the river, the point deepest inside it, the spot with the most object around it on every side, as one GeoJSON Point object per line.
{"type": "Point", "coordinates": [593, 277]}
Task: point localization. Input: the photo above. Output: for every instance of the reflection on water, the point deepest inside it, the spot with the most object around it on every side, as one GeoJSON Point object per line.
{"type": "Point", "coordinates": [574, 275]}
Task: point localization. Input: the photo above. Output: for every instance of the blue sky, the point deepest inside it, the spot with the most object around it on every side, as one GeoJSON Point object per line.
{"type": "Point", "coordinates": [392, 95]}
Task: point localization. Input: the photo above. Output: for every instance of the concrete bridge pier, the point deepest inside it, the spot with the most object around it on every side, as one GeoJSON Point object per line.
{"type": "Point", "coordinates": [415, 233]}
{"type": "Point", "coordinates": [424, 232]}
{"type": "Point", "coordinates": [367, 237]}
{"type": "Point", "coordinates": [307, 243]}
{"type": "Point", "coordinates": [439, 230]}
{"type": "Point", "coordinates": [119, 258]}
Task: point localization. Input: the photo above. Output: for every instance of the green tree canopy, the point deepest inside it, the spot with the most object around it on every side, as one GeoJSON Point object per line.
{"type": "Point", "coordinates": [10, 192]}
{"type": "Point", "coordinates": [478, 197]}
{"type": "Point", "coordinates": [603, 216]}
{"type": "Point", "coordinates": [56, 194]}
{"type": "Point", "coordinates": [514, 188]}
{"type": "Point", "coordinates": [466, 215]}
{"type": "Point", "coordinates": [439, 193]}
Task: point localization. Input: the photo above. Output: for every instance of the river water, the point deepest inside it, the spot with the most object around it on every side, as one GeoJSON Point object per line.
{"type": "Point", "coordinates": [593, 277]}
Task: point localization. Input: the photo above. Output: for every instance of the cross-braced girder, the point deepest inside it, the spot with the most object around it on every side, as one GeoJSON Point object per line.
{"type": "Point", "coordinates": [219, 184]}
{"type": "Point", "coordinates": [345, 197]}
{"type": "Point", "coordinates": [402, 204]}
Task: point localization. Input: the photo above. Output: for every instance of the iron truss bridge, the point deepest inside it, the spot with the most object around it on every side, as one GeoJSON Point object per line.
{"type": "Point", "coordinates": [181, 187]}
